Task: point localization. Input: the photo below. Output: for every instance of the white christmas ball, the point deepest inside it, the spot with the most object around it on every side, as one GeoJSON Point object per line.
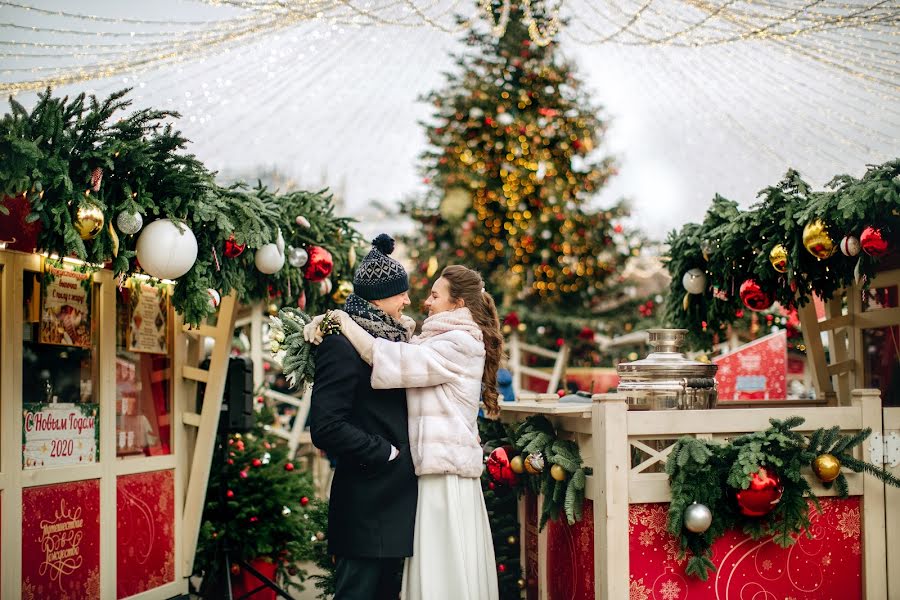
{"type": "Point", "coordinates": [268, 259]}
{"type": "Point", "coordinates": [297, 257]}
{"type": "Point", "coordinates": [302, 221]}
{"type": "Point", "coordinates": [325, 286]}
{"type": "Point", "coordinates": [129, 223]}
{"type": "Point", "coordinates": [850, 245]}
{"type": "Point", "coordinates": [279, 241]}
{"type": "Point", "coordinates": [694, 281]}
{"type": "Point", "coordinates": [166, 250]}
{"type": "Point", "coordinates": [697, 518]}
{"type": "Point", "coordinates": [214, 298]}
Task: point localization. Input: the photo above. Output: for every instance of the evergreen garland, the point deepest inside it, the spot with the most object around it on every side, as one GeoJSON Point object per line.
{"type": "Point", "coordinates": [710, 473]}
{"type": "Point", "coordinates": [51, 154]}
{"type": "Point", "coordinates": [732, 245]}
{"type": "Point", "coordinates": [537, 435]}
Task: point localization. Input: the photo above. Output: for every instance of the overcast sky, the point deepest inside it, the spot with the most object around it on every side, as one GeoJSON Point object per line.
{"type": "Point", "coordinates": [322, 102]}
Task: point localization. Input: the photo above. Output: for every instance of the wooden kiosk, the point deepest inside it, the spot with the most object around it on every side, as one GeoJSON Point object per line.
{"type": "Point", "coordinates": [621, 549]}
{"type": "Point", "coordinates": [104, 457]}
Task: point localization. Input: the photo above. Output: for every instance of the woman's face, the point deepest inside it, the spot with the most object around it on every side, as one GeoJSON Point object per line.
{"type": "Point", "coordinates": [440, 300]}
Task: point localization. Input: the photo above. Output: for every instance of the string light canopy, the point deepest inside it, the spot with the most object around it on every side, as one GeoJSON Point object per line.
{"type": "Point", "coordinates": [853, 38]}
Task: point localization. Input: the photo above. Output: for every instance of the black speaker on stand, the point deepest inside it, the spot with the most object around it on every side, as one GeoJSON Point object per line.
{"type": "Point", "coordinates": [236, 416]}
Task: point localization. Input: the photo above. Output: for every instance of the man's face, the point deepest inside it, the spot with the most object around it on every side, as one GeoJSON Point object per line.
{"type": "Point", "coordinates": [394, 305]}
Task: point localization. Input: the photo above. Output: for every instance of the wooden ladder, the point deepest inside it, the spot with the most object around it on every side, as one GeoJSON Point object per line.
{"type": "Point", "coordinates": [202, 427]}
{"type": "Point", "coordinates": [517, 350]}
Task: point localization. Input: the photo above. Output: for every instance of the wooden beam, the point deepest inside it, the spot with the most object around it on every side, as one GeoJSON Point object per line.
{"type": "Point", "coordinates": [195, 374]}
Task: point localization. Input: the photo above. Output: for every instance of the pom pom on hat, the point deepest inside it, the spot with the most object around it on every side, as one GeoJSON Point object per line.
{"type": "Point", "coordinates": [384, 243]}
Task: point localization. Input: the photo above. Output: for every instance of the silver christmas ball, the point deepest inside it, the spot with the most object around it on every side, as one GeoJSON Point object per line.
{"type": "Point", "coordinates": [129, 223]}
{"type": "Point", "coordinates": [297, 257]}
{"type": "Point", "coordinates": [694, 281]}
{"type": "Point", "coordinates": [697, 518]}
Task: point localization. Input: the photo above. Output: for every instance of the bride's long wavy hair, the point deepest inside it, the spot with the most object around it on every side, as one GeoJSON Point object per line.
{"type": "Point", "coordinates": [468, 285]}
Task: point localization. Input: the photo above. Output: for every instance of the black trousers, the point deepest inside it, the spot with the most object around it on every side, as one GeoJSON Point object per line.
{"type": "Point", "coordinates": [368, 578]}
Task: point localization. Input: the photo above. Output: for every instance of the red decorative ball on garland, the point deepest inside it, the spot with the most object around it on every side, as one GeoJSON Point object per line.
{"type": "Point", "coordinates": [304, 501]}
{"type": "Point", "coordinates": [232, 248]}
{"type": "Point", "coordinates": [501, 568]}
{"type": "Point", "coordinates": [873, 242]}
{"type": "Point", "coordinates": [319, 265]}
{"type": "Point", "coordinates": [498, 467]}
{"type": "Point", "coordinates": [754, 297]}
{"type": "Point", "coordinates": [764, 492]}
{"type": "Point", "coordinates": [289, 467]}
{"type": "Point", "coordinates": [230, 494]}
{"type": "Point", "coordinates": [257, 462]}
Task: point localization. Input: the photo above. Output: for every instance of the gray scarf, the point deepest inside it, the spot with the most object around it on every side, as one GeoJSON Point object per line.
{"type": "Point", "coordinates": [374, 320]}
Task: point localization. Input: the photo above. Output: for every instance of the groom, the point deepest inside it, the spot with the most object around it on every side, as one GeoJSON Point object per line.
{"type": "Point", "coordinates": [372, 509]}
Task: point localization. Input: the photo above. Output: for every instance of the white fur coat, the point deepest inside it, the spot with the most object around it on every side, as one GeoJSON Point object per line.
{"type": "Point", "coordinates": [441, 370]}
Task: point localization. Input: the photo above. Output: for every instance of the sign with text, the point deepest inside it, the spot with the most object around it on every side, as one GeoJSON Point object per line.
{"type": "Point", "coordinates": [755, 371]}
{"type": "Point", "coordinates": [61, 540]}
{"type": "Point", "coordinates": [147, 326]}
{"type": "Point", "coordinates": [66, 304]}
{"type": "Point", "coordinates": [55, 435]}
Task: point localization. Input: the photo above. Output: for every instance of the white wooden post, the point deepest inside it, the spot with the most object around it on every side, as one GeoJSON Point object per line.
{"type": "Point", "coordinates": [610, 449]}
{"type": "Point", "coordinates": [875, 563]}
{"type": "Point", "coordinates": [892, 507]}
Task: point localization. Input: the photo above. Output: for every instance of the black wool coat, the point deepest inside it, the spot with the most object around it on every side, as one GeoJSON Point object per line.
{"type": "Point", "coordinates": [372, 509]}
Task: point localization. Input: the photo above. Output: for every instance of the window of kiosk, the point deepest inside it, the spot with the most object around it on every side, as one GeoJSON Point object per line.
{"type": "Point", "coordinates": [143, 370]}
{"type": "Point", "coordinates": [882, 347]}
{"type": "Point", "coordinates": [60, 366]}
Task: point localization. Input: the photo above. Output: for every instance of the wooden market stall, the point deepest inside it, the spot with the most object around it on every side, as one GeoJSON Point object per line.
{"type": "Point", "coordinates": [621, 549]}
{"type": "Point", "coordinates": [104, 458]}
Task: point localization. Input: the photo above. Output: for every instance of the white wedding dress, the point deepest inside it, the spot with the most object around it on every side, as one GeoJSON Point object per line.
{"type": "Point", "coordinates": [453, 553]}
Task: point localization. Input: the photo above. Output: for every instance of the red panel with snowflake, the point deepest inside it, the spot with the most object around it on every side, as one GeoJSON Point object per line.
{"type": "Point", "coordinates": [570, 557]}
{"type": "Point", "coordinates": [827, 566]}
{"type": "Point", "coordinates": [145, 550]}
{"type": "Point", "coordinates": [532, 591]}
{"type": "Point", "coordinates": [755, 371]}
{"type": "Point", "coordinates": [61, 541]}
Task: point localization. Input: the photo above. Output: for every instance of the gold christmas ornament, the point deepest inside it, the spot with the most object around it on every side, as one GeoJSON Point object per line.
{"type": "Point", "coordinates": [817, 240]}
{"type": "Point", "coordinates": [511, 540]}
{"type": "Point", "coordinates": [779, 257]}
{"type": "Point", "coordinates": [826, 467]}
{"type": "Point", "coordinates": [456, 203]}
{"type": "Point", "coordinates": [432, 266]}
{"type": "Point", "coordinates": [558, 473]}
{"type": "Point", "coordinates": [89, 220]}
{"type": "Point", "coordinates": [534, 463]}
{"type": "Point", "coordinates": [521, 584]}
{"type": "Point", "coordinates": [517, 464]}
{"type": "Point", "coordinates": [344, 289]}
{"type": "Point", "coordinates": [115, 239]}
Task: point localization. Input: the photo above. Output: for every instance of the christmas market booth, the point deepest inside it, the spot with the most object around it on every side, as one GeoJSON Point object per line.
{"type": "Point", "coordinates": [122, 265]}
{"type": "Point", "coordinates": [660, 491]}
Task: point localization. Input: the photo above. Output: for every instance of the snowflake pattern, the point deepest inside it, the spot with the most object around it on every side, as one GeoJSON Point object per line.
{"type": "Point", "coordinates": [673, 551]}
{"type": "Point", "coordinates": [670, 590]}
{"type": "Point", "coordinates": [767, 565]}
{"type": "Point", "coordinates": [637, 590]}
{"type": "Point", "coordinates": [848, 523]}
{"type": "Point", "coordinates": [856, 549]}
{"type": "Point", "coordinates": [646, 537]}
{"type": "Point", "coordinates": [826, 560]}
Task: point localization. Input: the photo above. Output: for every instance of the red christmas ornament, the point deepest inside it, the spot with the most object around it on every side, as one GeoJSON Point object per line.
{"type": "Point", "coordinates": [243, 474]}
{"type": "Point", "coordinates": [501, 568]}
{"type": "Point", "coordinates": [754, 297]}
{"type": "Point", "coordinates": [301, 300]}
{"type": "Point", "coordinates": [763, 494]}
{"type": "Point", "coordinates": [873, 242]}
{"type": "Point", "coordinates": [18, 234]}
{"type": "Point", "coordinates": [304, 501]}
{"type": "Point", "coordinates": [319, 264]}
{"type": "Point", "coordinates": [230, 461]}
{"type": "Point", "coordinates": [560, 342]}
{"type": "Point", "coordinates": [512, 319]}
{"type": "Point", "coordinates": [254, 519]}
{"type": "Point", "coordinates": [257, 462]}
{"type": "Point", "coordinates": [560, 393]}
{"type": "Point", "coordinates": [491, 485]}
{"type": "Point", "coordinates": [289, 467]}
{"type": "Point", "coordinates": [498, 467]}
{"type": "Point", "coordinates": [232, 248]}
{"type": "Point", "coordinates": [230, 494]}
{"type": "Point", "coordinates": [586, 334]}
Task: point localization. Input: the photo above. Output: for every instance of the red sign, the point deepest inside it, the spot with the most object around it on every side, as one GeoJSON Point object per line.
{"type": "Point", "coordinates": [145, 539]}
{"type": "Point", "coordinates": [570, 557]}
{"type": "Point", "coordinates": [61, 540]}
{"type": "Point", "coordinates": [755, 371]}
{"type": "Point", "coordinates": [827, 566]}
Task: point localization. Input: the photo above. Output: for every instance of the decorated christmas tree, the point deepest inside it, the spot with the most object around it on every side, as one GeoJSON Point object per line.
{"type": "Point", "coordinates": [511, 168]}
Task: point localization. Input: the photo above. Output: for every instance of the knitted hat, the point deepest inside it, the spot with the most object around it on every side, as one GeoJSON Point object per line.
{"type": "Point", "coordinates": [380, 276]}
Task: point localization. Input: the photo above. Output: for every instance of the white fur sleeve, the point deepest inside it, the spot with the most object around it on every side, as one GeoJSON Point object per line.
{"type": "Point", "coordinates": [400, 365]}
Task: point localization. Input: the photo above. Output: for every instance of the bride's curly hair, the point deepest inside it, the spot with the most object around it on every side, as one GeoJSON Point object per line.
{"type": "Point", "coordinates": [468, 285]}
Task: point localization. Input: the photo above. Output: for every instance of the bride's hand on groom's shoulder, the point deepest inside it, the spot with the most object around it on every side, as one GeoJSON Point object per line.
{"type": "Point", "coordinates": [312, 333]}
{"type": "Point", "coordinates": [408, 323]}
